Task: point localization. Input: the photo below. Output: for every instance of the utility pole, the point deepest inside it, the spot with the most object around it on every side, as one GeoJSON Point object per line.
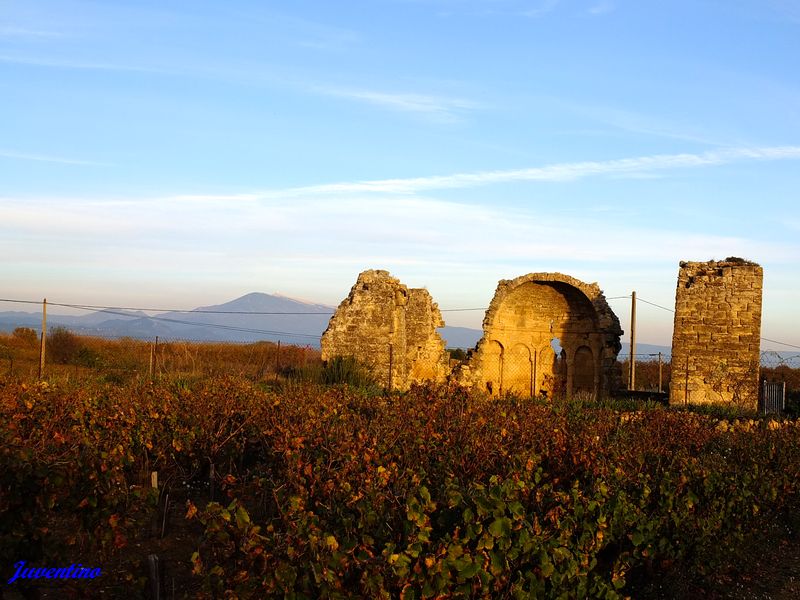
{"type": "Point", "coordinates": [43, 341]}
{"type": "Point", "coordinates": [632, 377]}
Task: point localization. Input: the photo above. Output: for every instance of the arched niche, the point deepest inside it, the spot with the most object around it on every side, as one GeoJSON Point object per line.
{"type": "Point", "coordinates": [530, 312]}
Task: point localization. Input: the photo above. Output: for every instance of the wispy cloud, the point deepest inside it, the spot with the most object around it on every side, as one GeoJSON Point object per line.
{"type": "Point", "coordinates": [49, 159]}
{"type": "Point", "coordinates": [601, 8]}
{"type": "Point", "coordinates": [541, 9]}
{"type": "Point", "coordinates": [369, 228]}
{"type": "Point", "coordinates": [24, 32]}
{"type": "Point", "coordinates": [436, 107]}
{"type": "Point", "coordinates": [74, 64]}
{"type": "Point", "coordinates": [638, 123]}
{"type": "Point", "coordinates": [295, 30]}
{"type": "Point", "coordinates": [315, 247]}
{"type": "Point", "coordinates": [553, 173]}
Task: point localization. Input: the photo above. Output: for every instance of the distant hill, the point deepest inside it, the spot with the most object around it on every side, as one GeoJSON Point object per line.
{"type": "Point", "coordinates": [271, 317]}
{"type": "Point", "coordinates": [460, 337]}
{"type": "Point", "coordinates": [464, 337]}
{"type": "Point", "coordinates": [646, 351]}
{"type": "Point", "coordinates": [253, 317]}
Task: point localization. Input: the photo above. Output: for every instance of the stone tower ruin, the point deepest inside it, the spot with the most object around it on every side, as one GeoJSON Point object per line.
{"type": "Point", "coordinates": [382, 324]}
{"type": "Point", "coordinates": [547, 332]}
{"type": "Point", "coordinates": [717, 333]}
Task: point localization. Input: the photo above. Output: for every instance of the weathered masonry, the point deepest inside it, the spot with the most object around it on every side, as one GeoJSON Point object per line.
{"type": "Point", "coordinates": [717, 333]}
{"type": "Point", "coordinates": [547, 332]}
{"type": "Point", "coordinates": [391, 329]}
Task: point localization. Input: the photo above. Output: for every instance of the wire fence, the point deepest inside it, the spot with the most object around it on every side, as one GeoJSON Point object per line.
{"type": "Point", "coordinates": [71, 354]}
{"type": "Point", "coordinates": [256, 352]}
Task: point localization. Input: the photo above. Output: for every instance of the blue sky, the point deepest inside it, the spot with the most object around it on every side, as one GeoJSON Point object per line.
{"type": "Point", "coordinates": [184, 153]}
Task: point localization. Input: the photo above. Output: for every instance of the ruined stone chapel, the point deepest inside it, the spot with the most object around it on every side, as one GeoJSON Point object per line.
{"type": "Point", "coordinates": [551, 334]}
{"type": "Point", "coordinates": [544, 333]}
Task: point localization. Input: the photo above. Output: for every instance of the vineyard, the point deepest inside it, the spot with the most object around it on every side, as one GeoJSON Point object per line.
{"type": "Point", "coordinates": [293, 489]}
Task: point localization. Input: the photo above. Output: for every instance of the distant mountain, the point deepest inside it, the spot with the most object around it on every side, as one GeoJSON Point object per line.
{"type": "Point", "coordinates": [13, 319]}
{"type": "Point", "coordinates": [257, 316]}
{"type": "Point", "coordinates": [646, 351]}
{"type": "Point", "coordinates": [777, 358]}
{"type": "Point", "coordinates": [460, 337]}
{"type": "Point", "coordinates": [253, 317]}
{"type": "Point", "coordinates": [102, 316]}
{"type": "Point", "coordinates": [464, 337]}
{"type": "Point", "coordinates": [270, 317]}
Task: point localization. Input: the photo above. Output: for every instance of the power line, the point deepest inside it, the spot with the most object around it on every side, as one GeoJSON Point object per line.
{"type": "Point", "coordinates": [115, 311]}
{"type": "Point", "coordinates": [112, 311]}
{"type": "Point", "coordinates": [168, 310]}
{"type": "Point", "coordinates": [100, 308]}
{"type": "Point", "coordinates": [217, 325]}
{"type": "Point", "coordinates": [640, 299]}
{"type": "Point", "coordinates": [781, 343]}
{"type": "Point", "coordinates": [656, 305]}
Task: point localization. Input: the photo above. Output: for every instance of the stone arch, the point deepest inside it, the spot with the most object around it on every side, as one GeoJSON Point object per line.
{"type": "Point", "coordinates": [532, 310]}
{"type": "Point", "coordinates": [546, 366]}
{"type": "Point", "coordinates": [495, 353]}
{"type": "Point", "coordinates": [518, 370]}
{"type": "Point", "coordinates": [584, 369]}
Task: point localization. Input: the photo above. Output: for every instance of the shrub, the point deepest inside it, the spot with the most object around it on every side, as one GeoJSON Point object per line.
{"type": "Point", "coordinates": [63, 346]}
{"type": "Point", "coordinates": [87, 357]}
{"type": "Point", "coordinates": [346, 370]}
{"type": "Point", "coordinates": [457, 353]}
{"type": "Point", "coordinates": [26, 337]}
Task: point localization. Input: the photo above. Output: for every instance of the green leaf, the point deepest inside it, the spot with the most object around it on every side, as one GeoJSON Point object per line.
{"type": "Point", "coordinates": [516, 509]}
{"type": "Point", "coordinates": [242, 518]}
{"type": "Point", "coordinates": [424, 494]}
{"type": "Point", "coordinates": [454, 498]}
{"type": "Point", "coordinates": [469, 570]}
{"type": "Point", "coordinates": [500, 527]}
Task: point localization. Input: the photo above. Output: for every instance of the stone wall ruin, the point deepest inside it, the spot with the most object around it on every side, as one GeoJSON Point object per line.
{"type": "Point", "coordinates": [547, 333]}
{"type": "Point", "coordinates": [716, 338]}
{"type": "Point", "coordinates": [381, 323]}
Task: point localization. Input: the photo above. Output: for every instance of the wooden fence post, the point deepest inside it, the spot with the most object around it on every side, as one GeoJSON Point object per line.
{"type": "Point", "coordinates": [277, 361]}
{"type": "Point", "coordinates": [150, 370]}
{"type": "Point", "coordinates": [43, 341]}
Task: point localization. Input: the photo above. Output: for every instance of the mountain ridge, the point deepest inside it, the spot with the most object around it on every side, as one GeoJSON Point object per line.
{"type": "Point", "coordinates": [252, 317]}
